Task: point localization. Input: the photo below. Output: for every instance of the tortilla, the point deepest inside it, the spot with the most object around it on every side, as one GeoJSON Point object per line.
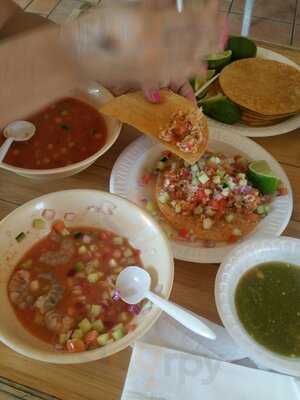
{"type": "Point", "coordinates": [151, 119]}
{"type": "Point", "coordinates": [266, 87]}
{"type": "Point", "coordinates": [221, 231]}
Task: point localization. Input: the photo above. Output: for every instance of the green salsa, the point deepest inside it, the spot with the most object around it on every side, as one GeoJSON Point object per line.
{"type": "Point", "coordinates": [267, 301]}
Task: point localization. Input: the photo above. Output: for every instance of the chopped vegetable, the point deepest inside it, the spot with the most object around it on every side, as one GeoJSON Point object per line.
{"type": "Point", "coordinates": [98, 325]}
{"type": "Point", "coordinates": [112, 263]}
{"type": "Point", "coordinates": [207, 223]}
{"type": "Point", "coordinates": [79, 266]}
{"type": "Point", "coordinates": [103, 339]}
{"type": "Point", "coordinates": [77, 334]}
{"type": "Point", "coordinates": [95, 310]}
{"type": "Point", "coordinates": [38, 223]}
{"type": "Point", "coordinates": [93, 278]}
{"type": "Point", "coordinates": [59, 227]}
{"type": "Point", "coordinates": [118, 240]}
{"type": "Point", "coordinates": [118, 333]}
{"type": "Point", "coordinates": [163, 197]}
{"type": "Point", "coordinates": [128, 253]}
{"type": "Point", "coordinates": [237, 232]}
{"type": "Point", "coordinates": [85, 325]}
{"type": "Point", "coordinates": [75, 346]}
{"type": "Point", "coordinates": [82, 250]}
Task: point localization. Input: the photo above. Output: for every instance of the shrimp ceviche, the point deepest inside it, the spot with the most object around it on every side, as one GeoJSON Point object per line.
{"type": "Point", "coordinates": [213, 200]}
{"type": "Point", "coordinates": [63, 289]}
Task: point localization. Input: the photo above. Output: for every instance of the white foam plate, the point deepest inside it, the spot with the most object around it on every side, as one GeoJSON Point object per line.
{"type": "Point", "coordinates": [145, 152]}
{"type": "Point", "coordinates": [278, 129]}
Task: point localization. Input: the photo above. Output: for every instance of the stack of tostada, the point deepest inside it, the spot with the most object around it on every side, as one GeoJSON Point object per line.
{"type": "Point", "coordinates": [266, 91]}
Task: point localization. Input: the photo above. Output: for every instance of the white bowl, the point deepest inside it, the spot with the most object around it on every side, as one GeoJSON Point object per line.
{"type": "Point", "coordinates": [95, 95]}
{"type": "Point", "coordinates": [85, 208]}
{"type": "Point", "coordinates": [240, 260]}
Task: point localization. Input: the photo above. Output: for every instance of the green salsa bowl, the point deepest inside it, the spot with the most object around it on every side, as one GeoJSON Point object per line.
{"type": "Point", "coordinates": [257, 293]}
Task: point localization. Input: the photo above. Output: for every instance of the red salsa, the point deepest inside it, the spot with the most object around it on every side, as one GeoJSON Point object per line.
{"type": "Point", "coordinates": [67, 132]}
{"type": "Point", "coordinates": [63, 289]}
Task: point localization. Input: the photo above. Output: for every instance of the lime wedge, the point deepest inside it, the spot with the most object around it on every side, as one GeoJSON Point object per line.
{"type": "Point", "coordinates": [241, 47]}
{"type": "Point", "coordinates": [262, 177]}
{"type": "Point", "coordinates": [219, 60]}
{"type": "Point", "coordinates": [222, 109]}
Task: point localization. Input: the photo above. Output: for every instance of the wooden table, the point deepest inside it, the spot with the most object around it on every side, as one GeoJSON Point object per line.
{"type": "Point", "coordinates": [193, 286]}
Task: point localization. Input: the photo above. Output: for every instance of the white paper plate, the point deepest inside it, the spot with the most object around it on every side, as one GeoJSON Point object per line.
{"type": "Point", "coordinates": [274, 130]}
{"type": "Point", "coordinates": [145, 152]}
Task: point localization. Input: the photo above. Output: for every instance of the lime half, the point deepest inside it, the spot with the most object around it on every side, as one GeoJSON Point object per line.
{"type": "Point", "coordinates": [221, 108]}
{"type": "Point", "coordinates": [262, 177]}
{"type": "Point", "coordinates": [219, 60]}
{"type": "Point", "coordinates": [241, 47]}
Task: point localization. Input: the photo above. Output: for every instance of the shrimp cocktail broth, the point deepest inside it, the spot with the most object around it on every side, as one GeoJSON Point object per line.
{"type": "Point", "coordinates": [63, 289]}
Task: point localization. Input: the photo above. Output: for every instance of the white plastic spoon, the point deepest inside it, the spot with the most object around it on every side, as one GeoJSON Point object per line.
{"type": "Point", "coordinates": [133, 284]}
{"type": "Point", "coordinates": [16, 131]}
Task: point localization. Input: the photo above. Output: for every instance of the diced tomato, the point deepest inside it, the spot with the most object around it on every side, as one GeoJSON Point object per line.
{"type": "Point", "coordinates": [71, 311]}
{"type": "Point", "coordinates": [75, 346]}
{"type": "Point", "coordinates": [90, 337]}
{"type": "Point", "coordinates": [201, 196]}
{"type": "Point", "coordinates": [104, 236]}
{"type": "Point", "coordinates": [59, 226]}
{"type": "Point", "coordinates": [183, 232]}
{"type": "Point", "coordinates": [233, 239]}
{"type": "Point", "coordinates": [145, 179]}
{"type": "Point", "coordinates": [252, 217]}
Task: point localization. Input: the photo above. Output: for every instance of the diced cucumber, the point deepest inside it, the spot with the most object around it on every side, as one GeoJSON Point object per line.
{"type": "Point", "coordinates": [177, 208]}
{"type": "Point", "coordinates": [98, 325]}
{"type": "Point", "coordinates": [229, 218]}
{"type": "Point", "coordinates": [79, 266]}
{"type": "Point", "coordinates": [63, 337]}
{"type": "Point", "coordinates": [123, 316]}
{"type": "Point", "coordinates": [118, 334]}
{"type": "Point", "coordinates": [160, 165]}
{"type": "Point", "coordinates": [95, 310]}
{"type": "Point", "coordinates": [93, 263]}
{"type": "Point", "coordinates": [118, 326]}
{"type": "Point", "coordinates": [150, 207]}
{"type": "Point", "coordinates": [77, 334]}
{"type": "Point", "coordinates": [118, 240]}
{"type": "Point", "coordinates": [82, 250]}
{"type": "Point", "coordinates": [85, 325]}
{"type": "Point", "coordinates": [263, 209]}
{"type": "Point", "coordinates": [237, 232]}
{"type": "Point", "coordinates": [103, 339]}
{"type": "Point", "coordinates": [93, 277]}
{"type": "Point", "coordinates": [217, 179]}
{"type": "Point", "coordinates": [93, 248]}
{"type": "Point", "coordinates": [128, 253]}
{"type": "Point", "coordinates": [38, 223]}
{"type": "Point", "coordinates": [203, 178]}
{"type": "Point", "coordinates": [163, 197]}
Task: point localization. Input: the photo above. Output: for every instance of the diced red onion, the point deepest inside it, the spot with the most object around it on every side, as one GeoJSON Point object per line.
{"type": "Point", "coordinates": [134, 309]}
{"type": "Point", "coordinates": [86, 239]}
{"type": "Point", "coordinates": [116, 296]}
{"type": "Point", "coordinates": [245, 189]}
{"type": "Point", "coordinates": [218, 196]}
{"type": "Point", "coordinates": [49, 215]}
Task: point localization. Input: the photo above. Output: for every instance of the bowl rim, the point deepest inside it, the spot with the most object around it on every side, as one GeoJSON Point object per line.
{"type": "Point", "coordinates": [259, 353]}
{"type": "Point", "coordinates": [129, 339]}
{"type": "Point", "coordinates": [80, 164]}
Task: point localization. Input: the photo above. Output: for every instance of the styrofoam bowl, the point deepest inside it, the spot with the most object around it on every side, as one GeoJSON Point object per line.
{"type": "Point", "coordinates": [239, 261]}
{"type": "Point", "coordinates": [95, 95]}
{"type": "Point", "coordinates": [87, 208]}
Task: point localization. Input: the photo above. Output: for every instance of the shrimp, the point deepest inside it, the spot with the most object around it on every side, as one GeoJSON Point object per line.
{"type": "Point", "coordinates": [49, 300]}
{"type": "Point", "coordinates": [58, 322]}
{"type": "Point", "coordinates": [61, 256]}
{"type": "Point", "coordinates": [18, 289]}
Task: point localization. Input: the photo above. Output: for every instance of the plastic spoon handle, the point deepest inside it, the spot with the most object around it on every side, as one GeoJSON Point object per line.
{"type": "Point", "coordinates": [181, 315]}
{"type": "Point", "coordinates": [4, 148]}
